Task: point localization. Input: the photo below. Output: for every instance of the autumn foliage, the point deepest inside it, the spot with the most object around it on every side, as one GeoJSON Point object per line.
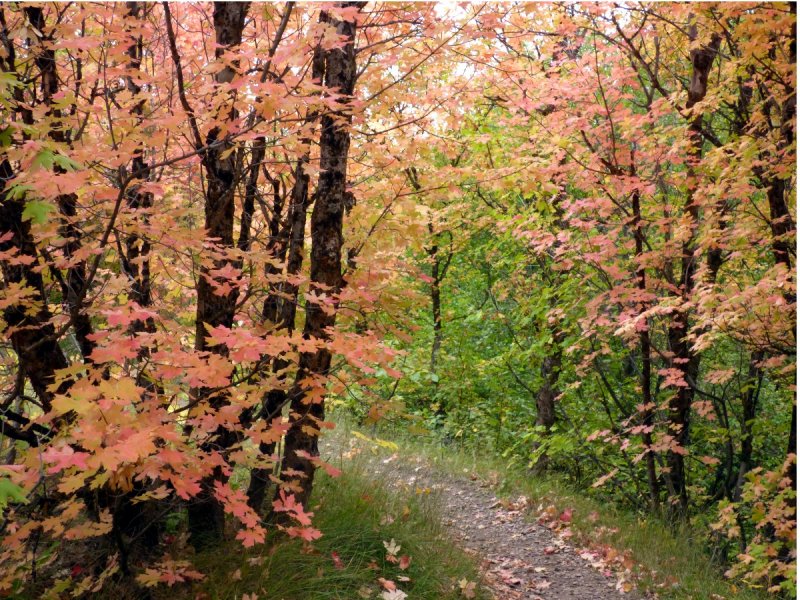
{"type": "Point", "coordinates": [563, 231]}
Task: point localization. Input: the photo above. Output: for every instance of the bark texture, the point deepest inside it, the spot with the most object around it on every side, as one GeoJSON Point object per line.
{"type": "Point", "coordinates": [684, 358]}
{"type": "Point", "coordinates": [644, 347]}
{"type": "Point", "coordinates": [281, 307]}
{"type": "Point", "coordinates": [206, 513]}
{"type": "Point", "coordinates": [332, 199]}
{"type": "Point", "coordinates": [31, 332]}
{"type": "Point", "coordinates": [73, 284]}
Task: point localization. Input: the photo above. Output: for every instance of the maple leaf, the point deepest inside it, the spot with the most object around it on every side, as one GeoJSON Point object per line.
{"type": "Point", "coordinates": [467, 588]}
{"type": "Point", "coordinates": [64, 458]}
{"type": "Point", "coordinates": [387, 584]}
{"type": "Point", "coordinates": [392, 547]}
{"type": "Point", "coordinates": [290, 505]}
{"type": "Point", "coordinates": [251, 536]}
{"type": "Point", "coordinates": [308, 534]}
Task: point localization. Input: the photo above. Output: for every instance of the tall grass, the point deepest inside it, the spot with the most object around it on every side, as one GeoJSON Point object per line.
{"type": "Point", "coordinates": [357, 512]}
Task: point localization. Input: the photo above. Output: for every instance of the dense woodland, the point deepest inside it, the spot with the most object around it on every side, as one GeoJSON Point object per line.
{"type": "Point", "coordinates": [561, 233]}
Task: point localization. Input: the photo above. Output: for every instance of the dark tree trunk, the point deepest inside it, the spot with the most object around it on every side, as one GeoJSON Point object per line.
{"type": "Point", "coordinates": [73, 285]}
{"type": "Point", "coordinates": [282, 309]}
{"type": "Point", "coordinates": [644, 347]}
{"type": "Point", "coordinates": [783, 248]}
{"type": "Point", "coordinates": [31, 332]}
{"type": "Point", "coordinates": [206, 513]}
{"type": "Point", "coordinates": [137, 255]}
{"type": "Point", "coordinates": [683, 357]}
{"type": "Point", "coordinates": [546, 401]}
{"type": "Point", "coordinates": [439, 266]}
{"type": "Point", "coordinates": [749, 406]}
{"type": "Point", "coordinates": [550, 369]}
{"type": "Point", "coordinates": [332, 199]}
{"type": "Point", "coordinates": [136, 524]}
{"type": "Point", "coordinates": [436, 296]}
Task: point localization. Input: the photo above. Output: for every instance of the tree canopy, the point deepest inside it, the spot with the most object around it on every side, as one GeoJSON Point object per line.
{"type": "Point", "coordinates": [564, 233]}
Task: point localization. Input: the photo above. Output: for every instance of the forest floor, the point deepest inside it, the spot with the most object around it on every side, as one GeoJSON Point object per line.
{"type": "Point", "coordinates": [523, 549]}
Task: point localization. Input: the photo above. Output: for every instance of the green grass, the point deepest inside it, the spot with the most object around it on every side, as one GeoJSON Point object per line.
{"type": "Point", "coordinates": [356, 514]}
{"type": "Point", "coordinates": [671, 563]}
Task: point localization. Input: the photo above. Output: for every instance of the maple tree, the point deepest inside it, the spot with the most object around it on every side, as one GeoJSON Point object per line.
{"type": "Point", "coordinates": [563, 231]}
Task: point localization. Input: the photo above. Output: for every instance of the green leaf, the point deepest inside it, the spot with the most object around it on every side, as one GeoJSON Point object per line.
{"type": "Point", "coordinates": [66, 163]}
{"type": "Point", "coordinates": [36, 211]}
{"type": "Point", "coordinates": [43, 160]}
{"type": "Point", "coordinates": [18, 191]}
{"type": "Point", "coordinates": [10, 492]}
{"type": "Point", "coordinates": [8, 80]}
{"type": "Point", "coordinates": [5, 137]}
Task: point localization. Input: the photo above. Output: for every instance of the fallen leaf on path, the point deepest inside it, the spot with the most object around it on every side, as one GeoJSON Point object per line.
{"type": "Point", "coordinates": [467, 588]}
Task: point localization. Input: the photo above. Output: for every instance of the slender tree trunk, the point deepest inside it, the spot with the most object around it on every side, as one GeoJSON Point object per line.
{"type": "Point", "coordinates": [683, 357]}
{"type": "Point", "coordinates": [749, 406]}
{"type": "Point", "coordinates": [136, 522]}
{"type": "Point", "coordinates": [550, 369]}
{"type": "Point", "coordinates": [439, 268]}
{"type": "Point", "coordinates": [137, 248]}
{"type": "Point", "coordinates": [206, 514]}
{"type": "Point", "coordinates": [784, 238]}
{"type": "Point", "coordinates": [648, 406]}
{"type": "Point", "coordinates": [332, 199]}
{"type": "Point", "coordinates": [284, 312]}
{"type": "Point", "coordinates": [546, 400]}
{"type": "Point", "coordinates": [436, 296]}
{"type": "Point", "coordinates": [75, 280]}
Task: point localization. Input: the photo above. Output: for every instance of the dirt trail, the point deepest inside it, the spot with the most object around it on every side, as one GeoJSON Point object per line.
{"type": "Point", "coordinates": [521, 559]}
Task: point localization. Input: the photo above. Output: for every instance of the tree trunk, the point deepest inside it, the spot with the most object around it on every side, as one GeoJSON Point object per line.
{"type": "Point", "coordinates": [332, 198]}
{"type": "Point", "coordinates": [644, 347]}
{"type": "Point", "coordinates": [282, 313]}
{"type": "Point", "coordinates": [683, 357]}
{"type": "Point", "coordinates": [31, 332]}
{"type": "Point", "coordinates": [137, 522]}
{"type": "Point", "coordinates": [436, 296]}
{"type": "Point", "coordinates": [749, 406]}
{"type": "Point", "coordinates": [206, 514]}
{"type": "Point", "coordinates": [439, 268]}
{"type": "Point", "coordinates": [784, 239]}
{"type": "Point", "coordinates": [137, 248]}
{"type": "Point", "coordinates": [546, 401]}
{"type": "Point", "coordinates": [73, 284]}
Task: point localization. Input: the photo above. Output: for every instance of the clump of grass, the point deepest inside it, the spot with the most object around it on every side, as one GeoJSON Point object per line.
{"type": "Point", "coordinates": [671, 561]}
{"type": "Point", "coordinates": [357, 513]}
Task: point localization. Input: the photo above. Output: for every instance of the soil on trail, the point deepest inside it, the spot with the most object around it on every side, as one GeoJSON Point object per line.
{"type": "Point", "coordinates": [520, 559]}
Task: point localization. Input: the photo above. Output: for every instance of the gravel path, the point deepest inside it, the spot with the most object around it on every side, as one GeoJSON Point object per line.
{"type": "Point", "coordinates": [520, 559]}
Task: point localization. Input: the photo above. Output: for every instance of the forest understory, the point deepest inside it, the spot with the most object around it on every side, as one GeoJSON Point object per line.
{"type": "Point", "coordinates": [398, 300]}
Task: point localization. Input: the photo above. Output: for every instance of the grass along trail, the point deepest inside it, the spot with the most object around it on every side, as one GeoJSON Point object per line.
{"type": "Point", "coordinates": [535, 537]}
{"type": "Point", "coordinates": [520, 559]}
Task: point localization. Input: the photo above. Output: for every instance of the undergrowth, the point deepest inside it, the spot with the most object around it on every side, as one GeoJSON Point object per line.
{"type": "Point", "coordinates": [359, 517]}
